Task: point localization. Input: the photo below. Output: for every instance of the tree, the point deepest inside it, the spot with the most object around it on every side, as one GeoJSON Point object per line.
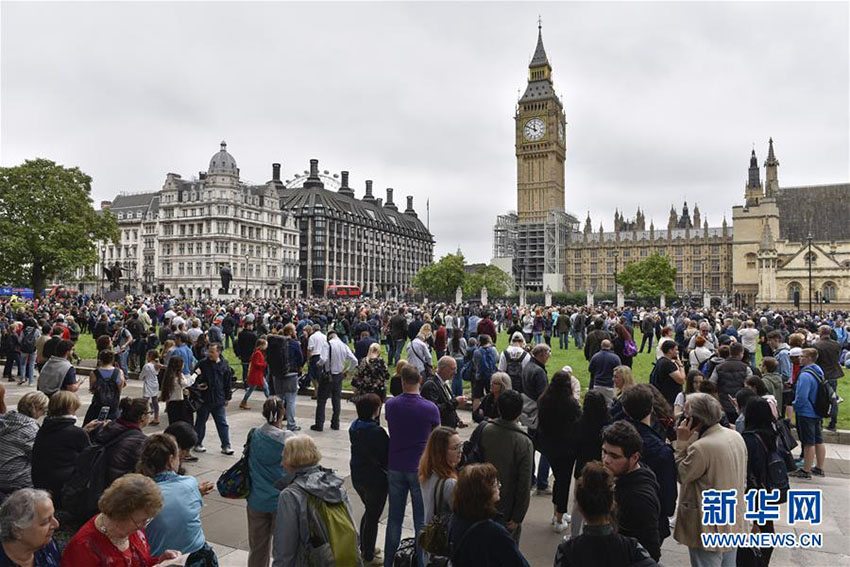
{"type": "Point", "coordinates": [47, 222]}
{"type": "Point", "coordinates": [498, 282]}
{"type": "Point", "coordinates": [651, 277]}
{"type": "Point", "coordinates": [442, 278]}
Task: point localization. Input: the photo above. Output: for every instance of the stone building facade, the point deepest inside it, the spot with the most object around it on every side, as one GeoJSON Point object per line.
{"type": "Point", "coordinates": [344, 240]}
{"type": "Point", "coordinates": [702, 255]}
{"type": "Point", "coordinates": [791, 244]}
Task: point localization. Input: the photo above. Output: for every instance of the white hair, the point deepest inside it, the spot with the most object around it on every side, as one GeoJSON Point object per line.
{"type": "Point", "coordinates": [18, 511]}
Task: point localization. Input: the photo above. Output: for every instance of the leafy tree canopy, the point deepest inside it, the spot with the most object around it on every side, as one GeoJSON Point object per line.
{"type": "Point", "coordinates": [652, 277]}
{"type": "Point", "coordinates": [47, 222]}
{"type": "Point", "coordinates": [498, 282]}
{"type": "Point", "coordinates": [442, 278]}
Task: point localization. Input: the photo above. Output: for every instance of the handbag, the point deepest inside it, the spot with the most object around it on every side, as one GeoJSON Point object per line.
{"type": "Point", "coordinates": [434, 537]}
{"type": "Point", "coordinates": [405, 555]}
{"type": "Point", "coordinates": [235, 482]}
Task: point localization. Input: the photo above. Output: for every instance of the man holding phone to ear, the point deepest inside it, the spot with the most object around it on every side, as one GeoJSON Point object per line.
{"type": "Point", "coordinates": [214, 378]}
{"type": "Point", "coordinates": [708, 457]}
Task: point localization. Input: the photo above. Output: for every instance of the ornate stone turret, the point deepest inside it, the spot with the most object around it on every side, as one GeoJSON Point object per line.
{"type": "Point", "coordinates": [771, 174]}
{"type": "Point", "coordinates": [587, 227]}
{"type": "Point", "coordinates": [673, 220]}
{"type": "Point", "coordinates": [697, 220]}
{"type": "Point", "coordinates": [753, 191]}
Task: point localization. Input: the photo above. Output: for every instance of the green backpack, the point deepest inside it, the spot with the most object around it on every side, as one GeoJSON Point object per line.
{"type": "Point", "coordinates": [333, 537]}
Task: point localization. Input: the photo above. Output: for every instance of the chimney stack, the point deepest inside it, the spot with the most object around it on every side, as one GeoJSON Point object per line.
{"type": "Point", "coordinates": [275, 172]}
{"type": "Point", "coordinates": [368, 196]}
{"type": "Point", "coordinates": [410, 210]}
{"type": "Point", "coordinates": [344, 189]}
{"type": "Point", "coordinates": [314, 180]}
{"type": "Point", "coordinates": [105, 205]}
{"type": "Point", "coordinates": [389, 204]}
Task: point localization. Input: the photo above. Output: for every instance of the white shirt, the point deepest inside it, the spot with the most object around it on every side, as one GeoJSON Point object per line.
{"type": "Point", "coordinates": [150, 383]}
{"type": "Point", "coordinates": [318, 344]}
{"type": "Point", "coordinates": [749, 338]}
{"type": "Point", "coordinates": [339, 357]}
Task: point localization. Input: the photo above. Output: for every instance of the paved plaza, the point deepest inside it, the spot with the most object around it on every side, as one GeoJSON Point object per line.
{"type": "Point", "coordinates": [226, 528]}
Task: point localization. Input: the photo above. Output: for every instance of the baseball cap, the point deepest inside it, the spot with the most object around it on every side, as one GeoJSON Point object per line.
{"type": "Point", "coordinates": [796, 351]}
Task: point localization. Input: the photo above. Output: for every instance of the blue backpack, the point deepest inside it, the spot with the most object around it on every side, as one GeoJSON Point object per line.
{"type": "Point", "coordinates": [468, 370]}
{"type": "Point", "coordinates": [487, 366]}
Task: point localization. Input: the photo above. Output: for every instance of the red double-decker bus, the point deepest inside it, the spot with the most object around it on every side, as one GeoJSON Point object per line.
{"type": "Point", "coordinates": [342, 291]}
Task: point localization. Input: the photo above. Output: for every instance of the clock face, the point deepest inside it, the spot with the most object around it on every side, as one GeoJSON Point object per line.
{"type": "Point", "coordinates": [534, 129]}
{"type": "Point", "coordinates": [561, 132]}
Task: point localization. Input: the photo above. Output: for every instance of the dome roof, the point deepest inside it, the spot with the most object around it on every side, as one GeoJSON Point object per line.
{"type": "Point", "coordinates": [223, 162]}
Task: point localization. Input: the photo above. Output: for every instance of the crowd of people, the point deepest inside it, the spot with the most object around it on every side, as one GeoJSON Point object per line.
{"type": "Point", "coordinates": [726, 388]}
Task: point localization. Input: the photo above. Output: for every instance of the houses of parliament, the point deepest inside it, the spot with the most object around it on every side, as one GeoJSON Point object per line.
{"type": "Point", "coordinates": [784, 247]}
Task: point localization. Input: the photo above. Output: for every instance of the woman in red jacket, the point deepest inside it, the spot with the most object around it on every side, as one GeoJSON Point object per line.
{"type": "Point", "coordinates": [116, 536]}
{"type": "Point", "coordinates": [256, 373]}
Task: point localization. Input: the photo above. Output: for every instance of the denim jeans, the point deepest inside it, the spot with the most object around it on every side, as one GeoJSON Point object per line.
{"type": "Point", "coordinates": [245, 366]}
{"type": "Point", "coordinates": [289, 402]}
{"type": "Point", "coordinates": [541, 479]}
{"type": "Point", "coordinates": [26, 369]}
{"type": "Point", "coordinates": [579, 337]}
{"type": "Point", "coordinates": [329, 388]}
{"type": "Point", "coordinates": [537, 338]}
{"type": "Point", "coordinates": [219, 415]}
{"type": "Point", "coordinates": [400, 483]}
{"type": "Point", "coordinates": [398, 345]}
{"type": "Point", "coordinates": [123, 358]}
{"type": "Point", "coordinates": [457, 381]}
{"type": "Point", "coordinates": [704, 558]}
{"type": "Point", "coordinates": [250, 390]}
{"type": "Point", "coordinates": [564, 340]}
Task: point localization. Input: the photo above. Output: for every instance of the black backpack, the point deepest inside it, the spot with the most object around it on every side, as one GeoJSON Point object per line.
{"type": "Point", "coordinates": [514, 368]}
{"type": "Point", "coordinates": [107, 389]}
{"type": "Point", "coordinates": [472, 450]}
{"type": "Point", "coordinates": [776, 472]}
{"type": "Point", "coordinates": [28, 341]}
{"type": "Point", "coordinates": [82, 491]}
{"type": "Point", "coordinates": [823, 400]}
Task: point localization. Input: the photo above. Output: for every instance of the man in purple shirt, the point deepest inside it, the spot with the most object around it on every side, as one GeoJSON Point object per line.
{"type": "Point", "coordinates": [410, 418]}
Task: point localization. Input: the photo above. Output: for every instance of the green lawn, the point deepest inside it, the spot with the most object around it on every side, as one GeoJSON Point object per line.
{"type": "Point", "coordinates": [573, 357]}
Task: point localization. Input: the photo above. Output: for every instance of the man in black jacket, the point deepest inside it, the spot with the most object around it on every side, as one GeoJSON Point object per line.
{"type": "Point", "coordinates": [246, 341]}
{"type": "Point", "coordinates": [636, 491]}
{"type": "Point", "coordinates": [657, 454]}
{"type": "Point", "coordinates": [398, 334]}
{"type": "Point", "coordinates": [829, 354]}
{"type": "Point", "coordinates": [213, 379]}
{"type": "Point", "coordinates": [593, 343]}
{"type": "Point", "coordinates": [730, 376]}
{"type": "Point", "coordinates": [438, 389]}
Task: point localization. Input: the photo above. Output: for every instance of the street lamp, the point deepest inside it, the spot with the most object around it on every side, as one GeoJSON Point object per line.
{"type": "Point", "coordinates": [103, 271]}
{"type": "Point", "coordinates": [246, 276]}
{"type": "Point", "coordinates": [809, 261]}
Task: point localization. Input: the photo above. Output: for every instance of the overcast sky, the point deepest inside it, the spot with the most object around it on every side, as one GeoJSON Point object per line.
{"type": "Point", "coordinates": [663, 100]}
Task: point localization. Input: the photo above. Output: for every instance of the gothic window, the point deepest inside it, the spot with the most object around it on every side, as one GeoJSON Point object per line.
{"type": "Point", "coordinates": [751, 261]}
{"type": "Point", "coordinates": [794, 289]}
{"type": "Point", "coordinates": [811, 257]}
{"type": "Point", "coordinates": [829, 291]}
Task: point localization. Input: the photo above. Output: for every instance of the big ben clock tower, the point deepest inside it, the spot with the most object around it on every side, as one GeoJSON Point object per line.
{"type": "Point", "coordinates": [540, 142]}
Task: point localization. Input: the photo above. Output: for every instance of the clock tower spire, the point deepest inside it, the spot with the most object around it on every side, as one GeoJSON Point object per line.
{"type": "Point", "coordinates": [539, 141]}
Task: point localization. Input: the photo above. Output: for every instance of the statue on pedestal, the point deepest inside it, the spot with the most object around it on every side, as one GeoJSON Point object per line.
{"type": "Point", "coordinates": [458, 295]}
{"type": "Point", "coordinates": [548, 296]}
{"type": "Point", "coordinates": [226, 276]}
{"type": "Point", "coordinates": [484, 295]}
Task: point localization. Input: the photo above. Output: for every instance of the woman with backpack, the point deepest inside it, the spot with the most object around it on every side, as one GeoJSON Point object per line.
{"type": "Point", "coordinates": [478, 538]}
{"type": "Point", "coordinates": [263, 449]}
{"type": "Point", "coordinates": [371, 375]}
{"type": "Point", "coordinates": [437, 478]}
{"type": "Point", "coordinates": [623, 345]}
{"type": "Point", "coordinates": [106, 383]}
{"type": "Point", "coordinates": [760, 438]}
{"type": "Point", "coordinates": [312, 495]}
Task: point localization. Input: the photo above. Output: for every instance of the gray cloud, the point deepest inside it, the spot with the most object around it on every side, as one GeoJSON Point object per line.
{"type": "Point", "coordinates": [663, 100]}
